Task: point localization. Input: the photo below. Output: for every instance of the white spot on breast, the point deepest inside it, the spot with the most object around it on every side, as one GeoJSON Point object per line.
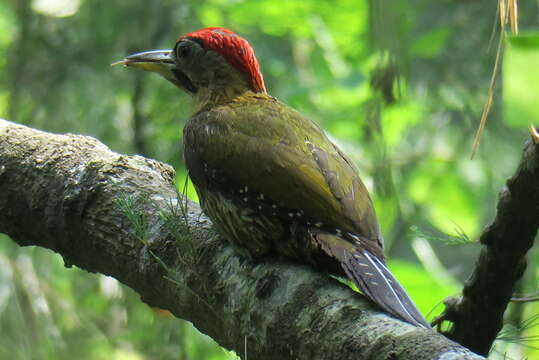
{"type": "Point", "coordinates": [354, 236]}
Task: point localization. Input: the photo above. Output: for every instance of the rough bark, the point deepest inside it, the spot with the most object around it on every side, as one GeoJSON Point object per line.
{"type": "Point", "coordinates": [478, 315]}
{"type": "Point", "coordinates": [62, 192]}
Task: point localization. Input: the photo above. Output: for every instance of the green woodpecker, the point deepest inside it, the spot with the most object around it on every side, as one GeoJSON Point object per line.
{"type": "Point", "coordinates": [269, 178]}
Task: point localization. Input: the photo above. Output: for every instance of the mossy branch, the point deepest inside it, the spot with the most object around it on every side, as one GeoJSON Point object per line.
{"type": "Point", "coordinates": [121, 216]}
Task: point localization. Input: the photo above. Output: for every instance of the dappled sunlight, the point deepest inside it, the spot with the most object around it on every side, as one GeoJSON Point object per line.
{"type": "Point", "coordinates": [56, 8]}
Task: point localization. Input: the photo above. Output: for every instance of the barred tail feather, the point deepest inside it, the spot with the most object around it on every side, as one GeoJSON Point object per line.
{"type": "Point", "coordinates": [370, 275]}
{"type": "Point", "coordinates": [374, 279]}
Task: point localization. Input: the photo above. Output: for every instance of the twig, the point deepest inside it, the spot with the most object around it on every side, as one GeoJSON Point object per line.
{"type": "Point", "coordinates": [478, 316]}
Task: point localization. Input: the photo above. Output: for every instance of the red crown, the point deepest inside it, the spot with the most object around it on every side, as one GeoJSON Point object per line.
{"type": "Point", "coordinates": [235, 49]}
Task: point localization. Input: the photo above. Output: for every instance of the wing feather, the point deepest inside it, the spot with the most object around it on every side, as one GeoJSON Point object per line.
{"type": "Point", "coordinates": [286, 157]}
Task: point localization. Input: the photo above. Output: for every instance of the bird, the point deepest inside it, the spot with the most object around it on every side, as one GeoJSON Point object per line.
{"type": "Point", "coordinates": [269, 178]}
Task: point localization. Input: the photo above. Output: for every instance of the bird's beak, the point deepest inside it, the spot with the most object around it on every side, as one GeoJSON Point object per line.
{"type": "Point", "coordinates": [160, 61]}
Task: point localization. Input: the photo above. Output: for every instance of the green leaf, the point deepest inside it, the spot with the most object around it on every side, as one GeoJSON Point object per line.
{"type": "Point", "coordinates": [524, 40]}
{"type": "Point", "coordinates": [521, 81]}
{"type": "Point", "coordinates": [430, 44]}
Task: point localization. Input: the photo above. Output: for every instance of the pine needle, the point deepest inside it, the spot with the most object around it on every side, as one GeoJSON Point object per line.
{"type": "Point", "coordinates": [508, 12]}
{"type": "Point", "coordinates": [513, 16]}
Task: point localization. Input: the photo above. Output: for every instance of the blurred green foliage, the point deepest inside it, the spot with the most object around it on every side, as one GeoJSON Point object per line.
{"type": "Point", "coordinates": [521, 86]}
{"type": "Point", "coordinates": [399, 85]}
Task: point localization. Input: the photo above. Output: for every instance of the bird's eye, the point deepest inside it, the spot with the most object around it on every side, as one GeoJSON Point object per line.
{"type": "Point", "coordinates": [183, 50]}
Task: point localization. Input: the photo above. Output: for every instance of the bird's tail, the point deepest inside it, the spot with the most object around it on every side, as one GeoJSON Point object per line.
{"type": "Point", "coordinates": [373, 278]}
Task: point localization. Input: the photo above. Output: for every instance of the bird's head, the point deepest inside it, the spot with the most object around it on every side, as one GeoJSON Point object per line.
{"type": "Point", "coordinates": [211, 64]}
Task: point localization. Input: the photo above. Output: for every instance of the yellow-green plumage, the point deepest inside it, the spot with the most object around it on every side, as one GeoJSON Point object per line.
{"type": "Point", "coordinates": [257, 140]}
{"type": "Point", "coordinates": [273, 182]}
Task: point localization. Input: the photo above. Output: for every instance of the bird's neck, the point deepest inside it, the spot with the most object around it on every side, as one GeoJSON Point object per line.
{"type": "Point", "coordinates": [208, 97]}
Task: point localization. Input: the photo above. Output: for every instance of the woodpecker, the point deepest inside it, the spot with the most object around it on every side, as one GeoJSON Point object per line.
{"type": "Point", "coordinates": [270, 179]}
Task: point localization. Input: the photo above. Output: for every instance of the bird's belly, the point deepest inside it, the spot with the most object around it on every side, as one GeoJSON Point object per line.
{"type": "Point", "coordinates": [253, 233]}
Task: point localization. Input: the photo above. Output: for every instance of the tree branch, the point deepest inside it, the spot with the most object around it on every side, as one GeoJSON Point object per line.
{"type": "Point", "coordinates": [119, 215]}
{"type": "Point", "coordinates": [478, 315]}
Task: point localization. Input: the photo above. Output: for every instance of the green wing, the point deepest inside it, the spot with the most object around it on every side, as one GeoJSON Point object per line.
{"type": "Point", "coordinates": [261, 143]}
